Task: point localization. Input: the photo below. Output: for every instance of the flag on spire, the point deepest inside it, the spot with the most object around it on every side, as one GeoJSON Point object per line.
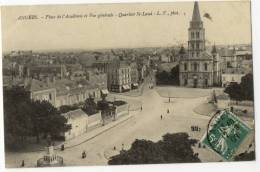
{"type": "Point", "coordinates": [207, 15]}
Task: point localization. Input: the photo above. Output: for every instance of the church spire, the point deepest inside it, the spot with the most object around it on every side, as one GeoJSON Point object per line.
{"type": "Point", "coordinates": [214, 49]}
{"type": "Point", "coordinates": [196, 12]}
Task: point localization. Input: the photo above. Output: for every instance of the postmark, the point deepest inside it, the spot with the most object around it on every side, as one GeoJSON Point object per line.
{"type": "Point", "coordinates": [225, 133]}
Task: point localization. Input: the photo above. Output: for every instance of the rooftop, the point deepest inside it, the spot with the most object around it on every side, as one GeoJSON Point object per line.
{"type": "Point", "coordinates": [75, 114]}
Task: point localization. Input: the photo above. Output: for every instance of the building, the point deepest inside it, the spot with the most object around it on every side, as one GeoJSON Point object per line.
{"type": "Point", "coordinates": [199, 68]}
{"type": "Point", "coordinates": [41, 91]}
{"type": "Point", "coordinates": [232, 75]}
{"type": "Point", "coordinates": [244, 59]}
{"type": "Point", "coordinates": [71, 92]}
{"type": "Point", "coordinates": [134, 75]}
{"type": "Point", "coordinates": [97, 78]}
{"type": "Point", "coordinates": [41, 72]}
{"type": "Point", "coordinates": [78, 120]}
{"type": "Point", "coordinates": [228, 57]}
{"type": "Point", "coordinates": [118, 74]}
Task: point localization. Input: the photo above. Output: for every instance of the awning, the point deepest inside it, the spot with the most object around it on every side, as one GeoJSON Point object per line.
{"type": "Point", "coordinates": [104, 91]}
{"type": "Point", "coordinates": [126, 87]}
{"type": "Point", "coordinates": [135, 84]}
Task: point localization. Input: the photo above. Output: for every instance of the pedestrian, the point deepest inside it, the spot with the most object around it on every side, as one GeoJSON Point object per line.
{"type": "Point", "coordinates": [168, 111]}
{"type": "Point", "coordinates": [62, 147]}
{"type": "Point", "coordinates": [83, 155]}
{"type": "Point", "coordinates": [123, 146]}
{"type": "Point", "coordinates": [114, 147]}
{"type": "Point", "coordinates": [23, 164]}
{"type": "Point", "coordinates": [141, 108]}
{"type": "Point", "coordinates": [161, 117]}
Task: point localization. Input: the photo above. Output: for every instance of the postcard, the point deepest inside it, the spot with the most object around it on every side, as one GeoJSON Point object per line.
{"type": "Point", "coordinates": [127, 83]}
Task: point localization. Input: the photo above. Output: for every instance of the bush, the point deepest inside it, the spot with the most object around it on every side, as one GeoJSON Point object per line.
{"type": "Point", "coordinates": [242, 91]}
{"type": "Point", "coordinates": [173, 148]}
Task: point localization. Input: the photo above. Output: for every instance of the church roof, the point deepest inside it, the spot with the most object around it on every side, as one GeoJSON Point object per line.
{"type": "Point", "coordinates": [196, 12]}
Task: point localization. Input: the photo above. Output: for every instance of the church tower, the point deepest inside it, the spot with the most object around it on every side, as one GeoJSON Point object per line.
{"type": "Point", "coordinates": [198, 68]}
{"type": "Point", "coordinates": [196, 43]}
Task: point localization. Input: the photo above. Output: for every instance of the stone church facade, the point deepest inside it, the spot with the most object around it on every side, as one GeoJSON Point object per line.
{"type": "Point", "coordinates": [198, 68]}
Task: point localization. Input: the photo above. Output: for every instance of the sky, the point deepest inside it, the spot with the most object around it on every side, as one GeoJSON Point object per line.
{"type": "Point", "coordinates": [230, 24]}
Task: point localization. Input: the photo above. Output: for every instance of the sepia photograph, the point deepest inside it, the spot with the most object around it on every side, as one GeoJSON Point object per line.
{"type": "Point", "coordinates": [127, 83]}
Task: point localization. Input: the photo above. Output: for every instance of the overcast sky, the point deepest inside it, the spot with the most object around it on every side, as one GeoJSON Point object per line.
{"type": "Point", "coordinates": [230, 25]}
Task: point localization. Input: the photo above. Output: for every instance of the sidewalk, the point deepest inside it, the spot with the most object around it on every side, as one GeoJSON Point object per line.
{"type": "Point", "coordinates": [92, 134]}
{"type": "Point", "coordinates": [133, 93]}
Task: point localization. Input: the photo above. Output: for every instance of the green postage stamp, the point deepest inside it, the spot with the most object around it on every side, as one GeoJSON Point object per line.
{"type": "Point", "coordinates": [225, 133]}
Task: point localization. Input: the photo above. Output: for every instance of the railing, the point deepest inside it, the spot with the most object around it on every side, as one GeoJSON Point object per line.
{"type": "Point", "coordinates": [50, 161]}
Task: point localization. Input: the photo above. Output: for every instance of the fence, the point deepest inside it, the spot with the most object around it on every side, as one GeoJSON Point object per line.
{"type": "Point", "coordinates": [241, 103]}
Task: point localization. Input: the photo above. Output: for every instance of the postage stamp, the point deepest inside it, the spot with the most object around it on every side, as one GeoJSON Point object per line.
{"type": "Point", "coordinates": [225, 133]}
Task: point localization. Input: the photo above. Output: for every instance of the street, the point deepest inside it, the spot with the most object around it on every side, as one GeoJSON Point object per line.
{"type": "Point", "coordinates": [145, 124]}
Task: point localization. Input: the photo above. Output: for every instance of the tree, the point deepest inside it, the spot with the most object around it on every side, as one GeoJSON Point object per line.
{"type": "Point", "coordinates": [168, 78]}
{"type": "Point", "coordinates": [141, 152]}
{"type": "Point", "coordinates": [173, 148]}
{"type": "Point", "coordinates": [234, 91]}
{"type": "Point", "coordinates": [47, 120]}
{"type": "Point", "coordinates": [67, 108]}
{"type": "Point", "coordinates": [174, 75]}
{"type": "Point", "coordinates": [247, 85]}
{"type": "Point", "coordinates": [90, 106]}
{"type": "Point", "coordinates": [178, 148]}
{"type": "Point", "coordinates": [17, 113]}
{"type": "Point", "coordinates": [242, 91]}
{"type": "Point", "coordinates": [162, 77]}
{"type": "Point", "coordinates": [24, 117]}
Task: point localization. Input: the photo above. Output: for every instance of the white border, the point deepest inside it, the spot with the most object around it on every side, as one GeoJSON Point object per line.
{"type": "Point", "coordinates": [199, 167]}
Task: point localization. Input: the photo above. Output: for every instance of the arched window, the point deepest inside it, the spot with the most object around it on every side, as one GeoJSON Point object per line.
{"type": "Point", "coordinates": [205, 66]}
{"type": "Point", "coordinates": [192, 35]}
{"type": "Point", "coordinates": [198, 34]}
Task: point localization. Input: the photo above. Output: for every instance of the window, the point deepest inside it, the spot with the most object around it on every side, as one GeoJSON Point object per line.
{"type": "Point", "coordinates": [197, 54]}
{"type": "Point", "coordinates": [195, 66]}
{"type": "Point", "coordinates": [185, 81]}
{"type": "Point", "coordinates": [206, 66]}
{"type": "Point", "coordinates": [198, 35]}
{"type": "Point", "coordinates": [192, 35]}
{"type": "Point", "coordinates": [197, 45]}
{"type": "Point", "coordinates": [185, 66]}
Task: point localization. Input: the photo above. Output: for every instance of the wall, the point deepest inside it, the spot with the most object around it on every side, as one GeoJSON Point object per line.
{"type": "Point", "coordinates": [122, 110]}
{"type": "Point", "coordinates": [78, 127]}
{"type": "Point", "coordinates": [94, 120]}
